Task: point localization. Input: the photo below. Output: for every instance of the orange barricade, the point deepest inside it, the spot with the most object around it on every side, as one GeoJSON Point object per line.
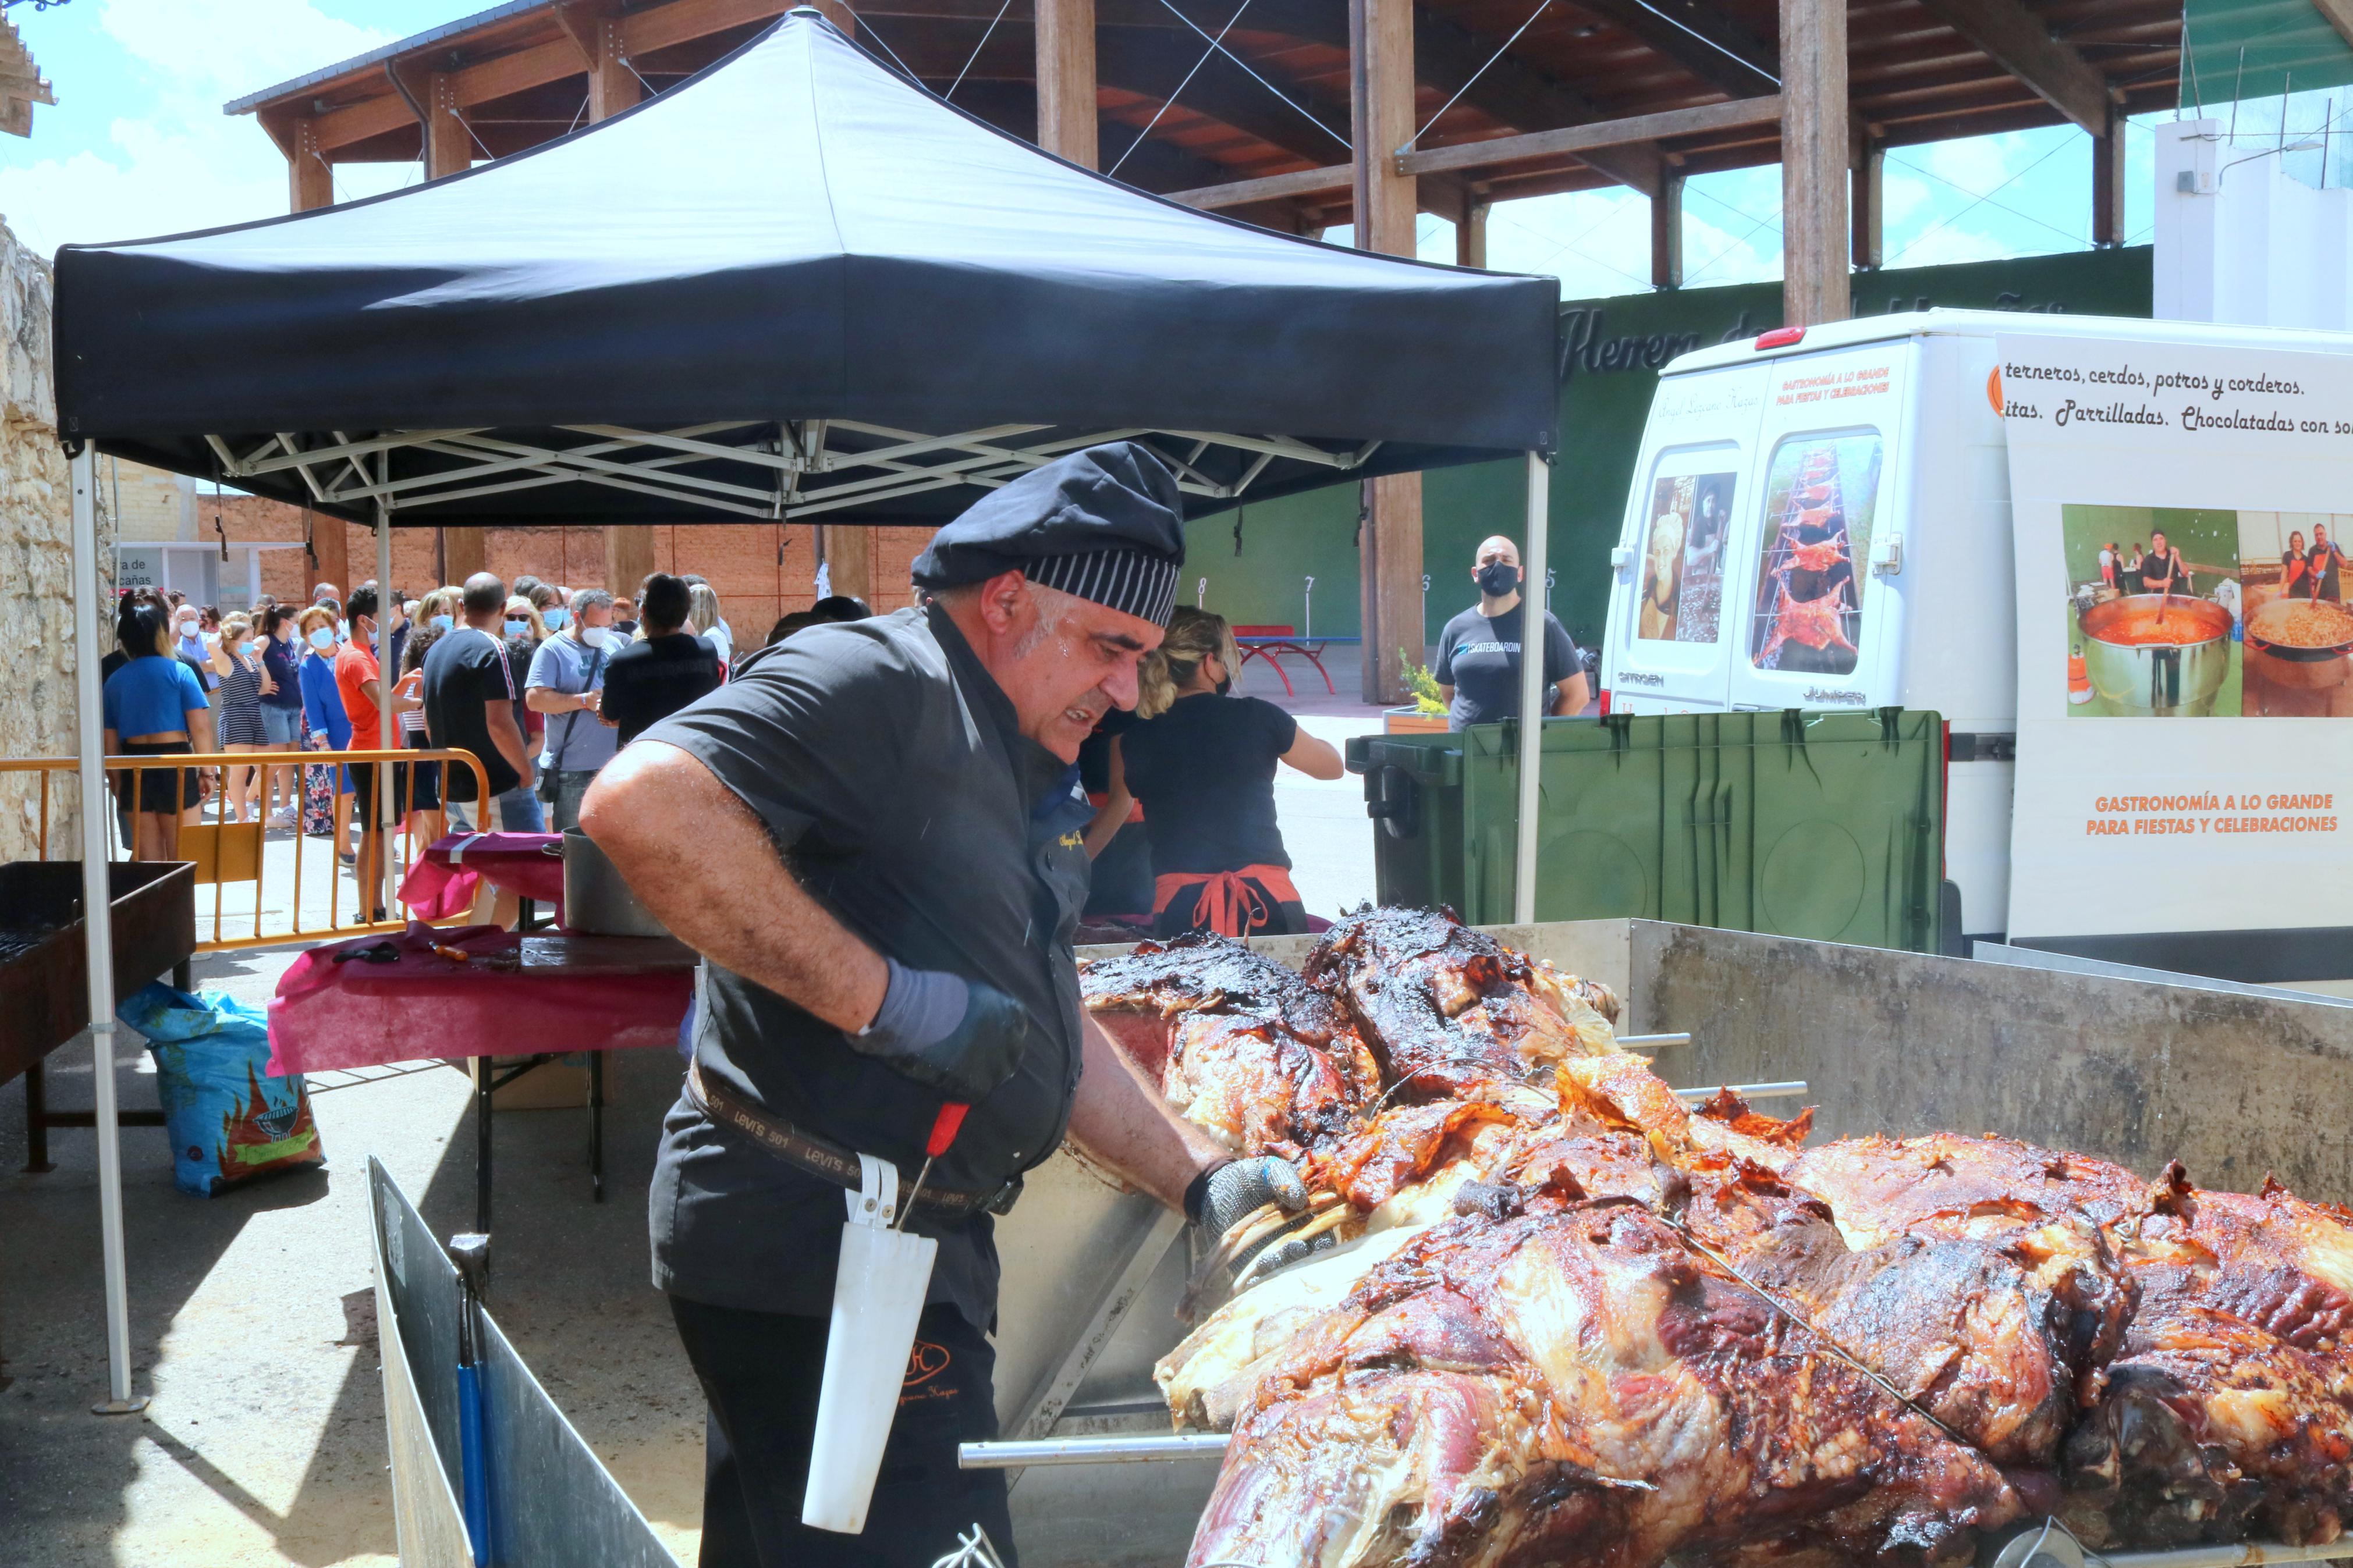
{"type": "Point", "coordinates": [292, 902]}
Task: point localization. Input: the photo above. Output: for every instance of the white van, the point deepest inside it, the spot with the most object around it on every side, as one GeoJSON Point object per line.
{"type": "Point", "coordinates": [1870, 452]}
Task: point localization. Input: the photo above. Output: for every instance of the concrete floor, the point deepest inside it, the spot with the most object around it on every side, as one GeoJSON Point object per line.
{"type": "Point", "coordinates": [253, 1314]}
{"type": "Point", "coordinates": [253, 1326]}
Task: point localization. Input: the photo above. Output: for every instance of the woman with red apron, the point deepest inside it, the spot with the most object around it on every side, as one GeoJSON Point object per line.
{"type": "Point", "coordinates": [1201, 761]}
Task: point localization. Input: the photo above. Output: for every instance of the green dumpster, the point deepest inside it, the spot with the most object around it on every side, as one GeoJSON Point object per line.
{"type": "Point", "coordinates": [1824, 825]}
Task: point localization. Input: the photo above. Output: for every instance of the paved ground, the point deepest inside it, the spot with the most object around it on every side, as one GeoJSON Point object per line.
{"type": "Point", "coordinates": [253, 1314]}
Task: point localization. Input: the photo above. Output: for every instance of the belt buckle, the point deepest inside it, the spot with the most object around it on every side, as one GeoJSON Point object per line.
{"type": "Point", "coordinates": [1002, 1200]}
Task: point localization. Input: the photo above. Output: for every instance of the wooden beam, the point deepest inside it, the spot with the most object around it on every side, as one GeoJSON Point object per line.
{"type": "Point", "coordinates": [1815, 153]}
{"type": "Point", "coordinates": [2108, 180]}
{"type": "Point", "coordinates": [683, 21]}
{"type": "Point", "coordinates": [1066, 125]}
{"type": "Point", "coordinates": [1867, 247]}
{"type": "Point", "coordinates": [310, 181]}
{"type": "Point", "coordinates": [1577, 140]}
{"type": "Point", "coordinates": [1321, 182]}
{"type": "Point", "coordinates": [1667, 234]}
{"type": "Point", "coordinates": [2017, 41]}
{"type": "Point", "coordinates": [1141, 61]}
{"type": "Point", "coordinates": [1701, 38]}
{"type": "Point", "coordinates": [597, 31]}
{"type": "Point", "coordinates": [1388, 209]}
{"type": "Point", "coordinates": [1450, 59]}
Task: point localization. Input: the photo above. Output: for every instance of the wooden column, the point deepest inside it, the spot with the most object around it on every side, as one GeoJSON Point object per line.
{"type": "Point", "coordinates": [448, 146]}
{"type": "Point", "coordinates": [332, 549]}
{"type": "Point", "coordinates": [1470, 235]}
{"type": "Point", "coordinates": [849, 560]}
{"type": "Point", "coordinates": [1066, 79]}
{"type": "Point", "coordinates": [464, 552]}
{"type": "Point", "coordinates": [1381, 99]}
{"type": "Point", "coordinates": [839, 14]}
{"type": "Point", "coordinates": [1815, 153]}
{"type": "Point", "coordinates": [1869, 243]}
{"type": "Point", "coordinates": [612, 85]}
{"type": "Point", "coordinates": [1667, 234]}
{"type": "Point", "coordinates": [310, 184]}
{"type": "Point", "coordinates": [628, 558]}
{"type": "Point", "coordinates": [2108, 180]}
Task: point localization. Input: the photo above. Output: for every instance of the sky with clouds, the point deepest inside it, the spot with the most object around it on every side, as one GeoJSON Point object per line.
{"type": "Point", "coordinates": [137, 145]}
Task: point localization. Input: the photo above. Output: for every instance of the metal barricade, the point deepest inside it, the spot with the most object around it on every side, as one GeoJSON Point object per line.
{"type": "Point", "coordinates": [314, 902]}
{"type": "Point", "coordinates": [485, 1468]}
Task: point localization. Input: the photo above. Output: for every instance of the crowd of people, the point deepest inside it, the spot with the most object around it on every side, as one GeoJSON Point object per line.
{"type": "Point", "coordinates": [542, 683]}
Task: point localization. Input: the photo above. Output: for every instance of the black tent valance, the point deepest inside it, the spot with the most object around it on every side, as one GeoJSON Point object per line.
{"type": "Point", "coordinates": [795, 285]}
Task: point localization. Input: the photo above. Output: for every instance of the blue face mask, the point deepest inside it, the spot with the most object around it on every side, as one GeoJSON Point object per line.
{"type": "Point", "coordinates": [554, 616]}
{"type": "Point", "coordinates": [323, 639]}
{"type": "Point", "coordinates": [516, 628]}
{"type": "Point", "coordinates": [443, 623]}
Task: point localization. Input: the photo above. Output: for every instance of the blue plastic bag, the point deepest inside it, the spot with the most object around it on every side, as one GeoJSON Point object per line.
{"type": "Point", "coordinates": [228, 1120]}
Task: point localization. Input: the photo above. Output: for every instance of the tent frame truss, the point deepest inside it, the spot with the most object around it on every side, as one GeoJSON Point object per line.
{"type": "Point", "coordinates": [809, 472]}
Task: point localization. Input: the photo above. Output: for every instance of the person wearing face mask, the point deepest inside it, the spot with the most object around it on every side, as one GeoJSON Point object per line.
{"type": "Point", "coordinates": [329, 728]}
{"type": "Point", "coordinates": [1201, 762]}
{"type": "Point", "coordinates": [188, 642]}
{"type": "Point", "coordinates": [238, 703]}
{"type": "Point", "coordinates": [278, 646]}
{"type": "Point", "coordinates": [360, 682]}
{"type": "Point", "coordinates": [565, 687]}
{"type": "Point", "coordinates": [1478, 668]}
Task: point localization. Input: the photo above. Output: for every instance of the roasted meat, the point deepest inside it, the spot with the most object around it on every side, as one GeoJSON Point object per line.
{"type": "Point", "coordinates": [1237, 1043]}
{"type": "Point", "coordinates": [1452, 1012]}
{"type": "Point", "coordinates": [2218, 1402]}
{"type": "Point", "coordinates": [1573, 1321]}
{"type": "Point", "coordinates": [1572, 1384]}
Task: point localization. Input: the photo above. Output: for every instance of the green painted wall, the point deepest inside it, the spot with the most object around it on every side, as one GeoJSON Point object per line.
{"type": "Point", "coordinates": [1615, 347]}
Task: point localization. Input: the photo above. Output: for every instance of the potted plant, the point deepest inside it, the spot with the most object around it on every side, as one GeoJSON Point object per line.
{"type": "Point", "coordinates": [1427, 712]}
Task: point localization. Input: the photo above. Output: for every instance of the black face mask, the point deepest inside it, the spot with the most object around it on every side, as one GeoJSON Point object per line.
{"type": "Point", "coordinates": [1498, 578]}
{"type": "Point", "coordinates": [1225, 685]}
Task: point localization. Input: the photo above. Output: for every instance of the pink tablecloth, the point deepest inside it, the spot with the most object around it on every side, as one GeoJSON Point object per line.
{"type": "Point", "coordinates": [443, 880]}
{"type": "Point", "coordinates": [515, 996]}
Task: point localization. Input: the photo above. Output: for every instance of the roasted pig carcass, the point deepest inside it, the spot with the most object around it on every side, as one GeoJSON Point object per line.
{"type": "Point", "coordinates": [2218, 1402]}
{"type": "Point", "coordinates": [1450, 1011]}
{"type": "Point", "coordinates": [1566, 1380]}
{"type": "Point", "coordinates": [2228, 1414]}
{"type": "Point", "coordinates": [1237, 1043]}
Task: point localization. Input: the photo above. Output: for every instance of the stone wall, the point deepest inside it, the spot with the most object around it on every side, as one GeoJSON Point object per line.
{"type": "Point", "coordinates": [36, 659]}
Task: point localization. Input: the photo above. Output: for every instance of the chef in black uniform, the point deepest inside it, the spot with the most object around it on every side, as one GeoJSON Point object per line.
{"type": "Point", "coordinates": [873, 837]}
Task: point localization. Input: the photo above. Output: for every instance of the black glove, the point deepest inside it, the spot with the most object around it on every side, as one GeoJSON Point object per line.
{"type": "Point", "coordinates": [958, 1036]}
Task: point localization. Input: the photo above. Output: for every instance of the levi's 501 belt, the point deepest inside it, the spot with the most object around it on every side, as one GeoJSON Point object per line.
{"type": "Point", "coordinates": [821, 1156]}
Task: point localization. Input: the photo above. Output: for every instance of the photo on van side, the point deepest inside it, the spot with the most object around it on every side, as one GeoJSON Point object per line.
{"type": "Point", "coordinates": [1819, 494]}
{"type": "Point", "coordinates": [2298, 648]}
{"type": "Point", "coordinates": [2153, 612]}
{"type": "Point", "coordinates": [1683, 562]}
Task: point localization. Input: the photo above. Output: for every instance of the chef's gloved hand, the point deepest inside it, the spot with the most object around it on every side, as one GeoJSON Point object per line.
{"type": "Point", "coordinates": [1222, 1197]}
{"type": "Point", "coordinates": [959, 1036]}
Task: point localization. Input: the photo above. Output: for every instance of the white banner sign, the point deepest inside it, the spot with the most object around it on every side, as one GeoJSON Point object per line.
{"type": "Point", "coordinates": [2185, 655]}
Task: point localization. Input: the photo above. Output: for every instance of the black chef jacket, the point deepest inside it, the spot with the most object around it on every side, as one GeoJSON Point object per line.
{"type": "Point", "coordinates": [891, 769]}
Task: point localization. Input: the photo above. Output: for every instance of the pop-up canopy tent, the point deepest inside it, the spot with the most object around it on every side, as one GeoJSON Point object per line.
{"type": "Point", "coordinates": [794, 286]}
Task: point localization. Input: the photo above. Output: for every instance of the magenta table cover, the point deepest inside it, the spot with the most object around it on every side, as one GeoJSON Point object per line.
{"type": "Point", "coordinates": [442, 881]}
{"type": "Point", "coordinates": [515, 995]}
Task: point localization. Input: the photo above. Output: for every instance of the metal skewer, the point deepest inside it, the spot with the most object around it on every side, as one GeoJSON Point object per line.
{"type": "Point", "coordinates": [1789, 1088]}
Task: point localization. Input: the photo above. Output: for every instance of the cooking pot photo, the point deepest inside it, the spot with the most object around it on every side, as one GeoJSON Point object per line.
{"type": "Point", "coordinates": [2159, 667]}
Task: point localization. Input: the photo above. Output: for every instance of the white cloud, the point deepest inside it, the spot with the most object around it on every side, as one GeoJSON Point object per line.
{"type": "Point", "coordinates": [166, 158]}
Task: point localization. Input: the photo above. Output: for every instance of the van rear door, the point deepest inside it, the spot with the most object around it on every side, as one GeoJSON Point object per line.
{"type": "Point", "coordinates": [1809, 631]}
{"type": "Point", "coordinates": [1671, 622]}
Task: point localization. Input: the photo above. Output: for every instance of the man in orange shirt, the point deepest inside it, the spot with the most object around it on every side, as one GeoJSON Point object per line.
{"type": "Point", "coordinates": [361, 685]}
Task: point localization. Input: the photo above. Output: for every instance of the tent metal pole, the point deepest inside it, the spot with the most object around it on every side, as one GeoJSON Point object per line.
{"type": "Point", "coordinates": [1534, 694]}
{"type": "Point", "coordinates": [385, 677]}
{"type": "Point", "coordinates": [98, 931]}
